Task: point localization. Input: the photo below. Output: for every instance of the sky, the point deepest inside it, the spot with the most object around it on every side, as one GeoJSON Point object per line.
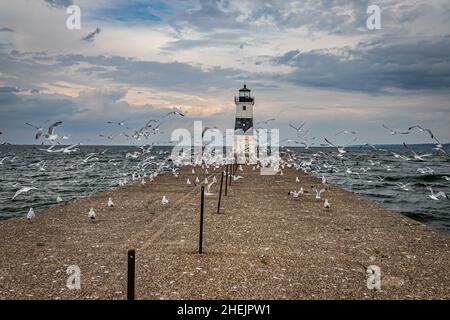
{"type": "Point", "coordinates": [312, 61]}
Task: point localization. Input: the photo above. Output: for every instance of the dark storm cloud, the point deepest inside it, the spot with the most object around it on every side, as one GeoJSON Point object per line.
{"type": "Point", "coordinates": [373, 67]}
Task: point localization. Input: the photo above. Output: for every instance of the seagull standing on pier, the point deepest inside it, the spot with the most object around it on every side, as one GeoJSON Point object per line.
{"type": "Point", "coordinates": [208, 189]}
{"type": "Point", "coordinates": [91, 214]}
{"type": "Point", "coordinates": [188, 181]}
{"type": "Point", "coordinates": [110, 203]}
{"type": "Point", "coordinates": [164, 200]}
{"type": "Point", "coordinates": [30, 214]}
{"type": "Point", "coordinates": [326, 204]}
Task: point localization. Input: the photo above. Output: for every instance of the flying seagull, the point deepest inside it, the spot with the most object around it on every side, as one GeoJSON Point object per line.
{"type": "Point", "coordinates": [39, 131]}
{"type": "Point", "coordinates": [90, 36]}
{"type": "Point", "coordinates": [394, 132]}
{"type": "Point", "coordinates": [436, 196]}
{"type": "Point", "coordinates": [23, 190]}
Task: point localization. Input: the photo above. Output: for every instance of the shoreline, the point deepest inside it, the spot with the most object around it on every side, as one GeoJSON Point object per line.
{"type": "Point", "coordinates": [264, 245]}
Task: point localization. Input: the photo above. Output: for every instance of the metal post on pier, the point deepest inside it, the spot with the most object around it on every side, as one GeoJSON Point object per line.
{"type": "Point", "coordinates": [200, 240]}
{"type": "Point", "coordinates": [226, 181]}
{"type": "Point", "coordinates": [220, 193]}
{"type": "Point", "coordinates": [131, 274]}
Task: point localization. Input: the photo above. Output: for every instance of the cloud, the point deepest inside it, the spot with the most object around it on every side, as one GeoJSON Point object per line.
{"type": "Point", "coordinates": [375, 67]}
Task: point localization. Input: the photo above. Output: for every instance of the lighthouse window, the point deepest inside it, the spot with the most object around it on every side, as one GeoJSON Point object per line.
{"type": "Point", "coordinates": [244, 108]}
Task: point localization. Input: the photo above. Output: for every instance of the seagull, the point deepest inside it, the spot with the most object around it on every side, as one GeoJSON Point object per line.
{"type": "Point", "coordinates": [188, 181]}
{"type": "Point", "coordinates": [435, 196]}
{"type": "Point", "coordinates": [426, 170]}
{"type": "Point", "coordinates": [422, 130]}
{"type": "Point", "coordinates": [319, 192]}
{"type": "Point", "coordinates": [393, 132]}
{"type": "Point", "coordinates": [30, 214]}
{"type": "Point", "coordinates": [110, 203]}
{"type": "Point", "coordinates": [297, 180]}
{"type": "Point", "coordinates": [236, 178]}
{"type": "Point", "coordinates": [59, 199]}
{"type": "Point", "coordinates": [208, 189]}
{"type": "Point", "coordinates": [39, 131]}
{"type": "Point", "coordinates": [296, 194]}
{"type": "Point", "coordinates": [299, 128]}
{"type": "Point", "coordinates": [345, 132]}
{"type": "Point", "coordinates": [404, 186]}
{"type": "Point", "coordinates": [446, 178]}
{"type": "Point", "coordinates": [1, 161]}
{"type": "Point", "coordinates": [265, 121]}
{"type": "Point", "coordinates": [214, 179]}
{"type": "Point", "coordinates": [326, 204]}
{"type": "Point", "coordinates": [324, 180]}
{"type": "Point", "coordinates": [197, 180]}
{"type": "Point", "coordinates": [417, 156]}
{"type": "Point", "coordinates": [193, 171]}
{"type": "Point", "coordinates": [23, 190]}
{"type": "Point", "coordinates": [91, 214]}
{"type": "Point", "coordinates": [51, 135]}
{"type": "Point", "coordinates": [164, 200]}
{"type": "Point", "coordinates": [206, 181]}
{"type": "Point", "coordinates": [397, 156]}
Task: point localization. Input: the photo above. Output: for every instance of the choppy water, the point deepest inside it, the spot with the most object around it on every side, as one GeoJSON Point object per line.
{"type": "Point", "coordinates": [371, 164]}
{"type": "Point", "coordinates": [68, 176]}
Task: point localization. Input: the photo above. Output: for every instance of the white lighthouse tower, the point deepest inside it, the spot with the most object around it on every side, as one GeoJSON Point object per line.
{"type": "Point", "coordinates": [244, 147]}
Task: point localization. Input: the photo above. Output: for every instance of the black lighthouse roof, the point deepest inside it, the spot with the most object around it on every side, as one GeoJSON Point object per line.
{"type": "Point", "coordinates": [244, 88]}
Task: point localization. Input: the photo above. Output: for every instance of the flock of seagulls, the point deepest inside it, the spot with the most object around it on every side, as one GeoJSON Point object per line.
{"type": "Point", "coordinates": [146, 165]}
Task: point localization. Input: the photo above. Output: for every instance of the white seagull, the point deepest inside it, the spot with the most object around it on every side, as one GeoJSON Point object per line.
{"type": "Point", "coordinates": [319, 192]}
{"type": "Point", "coordinates": [30, 214]}
{"type": "Point", "coordinates": [91, 214]}
{"type": "Point", "coordinates": [23, 190]}
{"type": "Point", "coordinates": [326, 204]}
{"type": "Point", "coordinates": [436, 196]}
{"type": "Point", "coordinates": [110, 203]}
{"type": "Point", "coordinates": [164, 200]}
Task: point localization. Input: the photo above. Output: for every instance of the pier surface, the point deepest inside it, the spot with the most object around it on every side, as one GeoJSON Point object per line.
{"type": "Point", "coordinates": [264, 244]}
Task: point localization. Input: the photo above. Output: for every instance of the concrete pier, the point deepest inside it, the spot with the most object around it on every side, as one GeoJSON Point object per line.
{"type": "Point", "coordinates": [264, 244]}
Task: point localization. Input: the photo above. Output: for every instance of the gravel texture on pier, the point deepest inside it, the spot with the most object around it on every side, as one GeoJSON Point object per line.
{"type": "Point", "coordinates": [264, 244]}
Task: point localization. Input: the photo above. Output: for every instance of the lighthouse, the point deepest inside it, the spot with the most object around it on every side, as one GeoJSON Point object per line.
{"type": "Point", "coordinates": [244, 147]}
